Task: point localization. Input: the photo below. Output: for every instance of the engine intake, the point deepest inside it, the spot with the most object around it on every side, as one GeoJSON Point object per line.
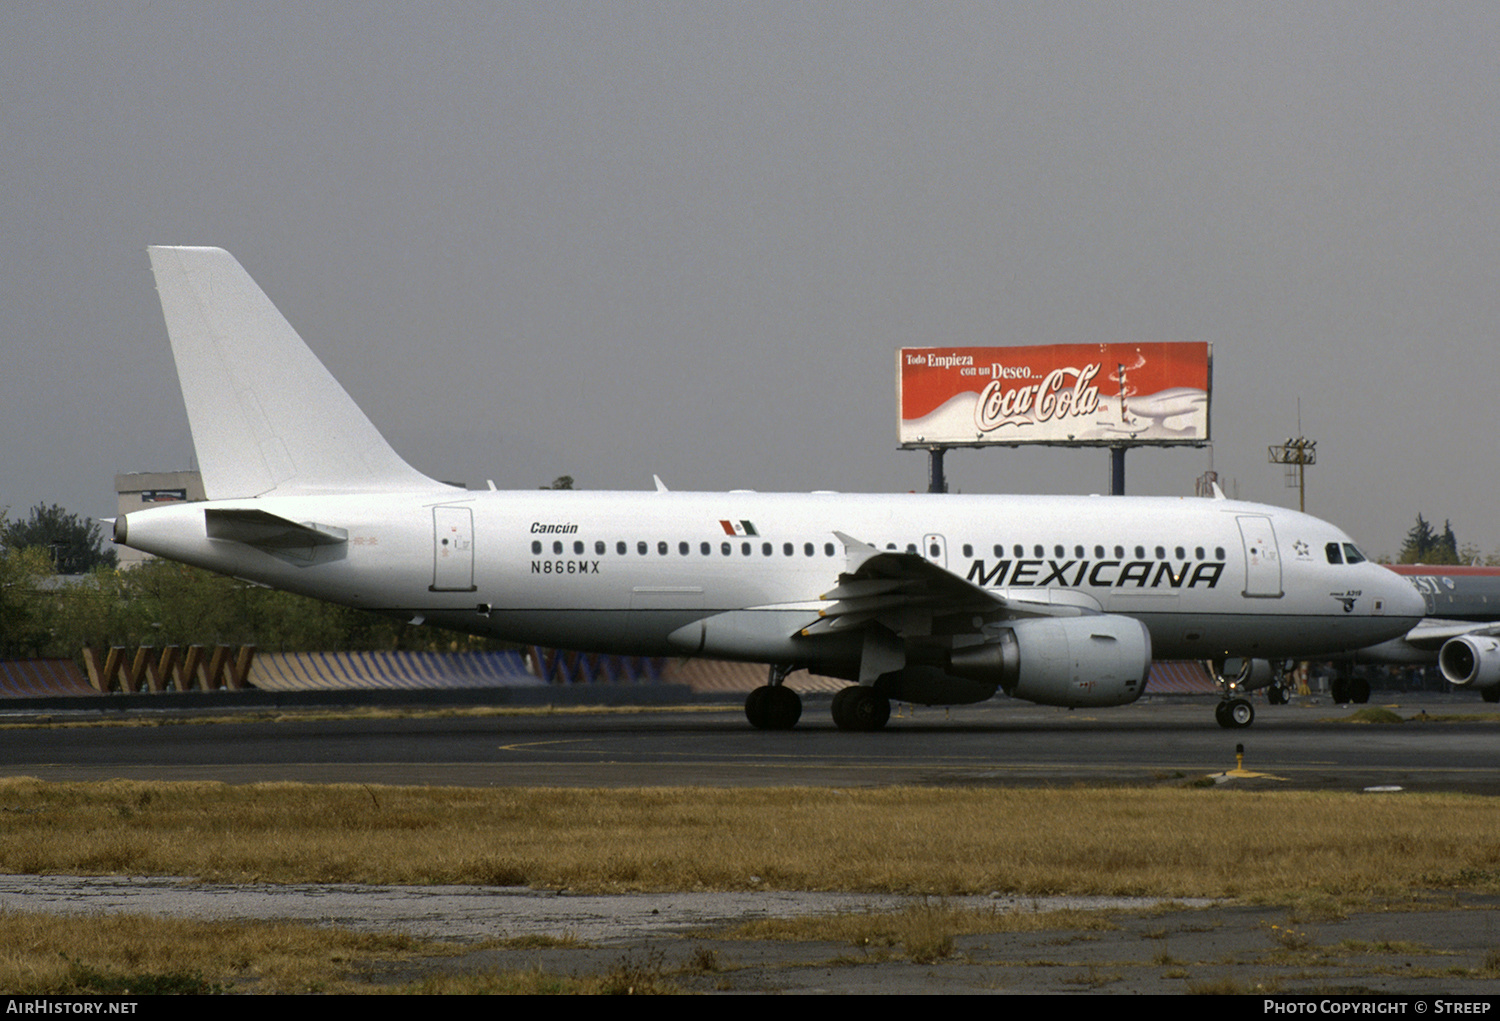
{"type": "Point", "coordinates": [1471, 661]}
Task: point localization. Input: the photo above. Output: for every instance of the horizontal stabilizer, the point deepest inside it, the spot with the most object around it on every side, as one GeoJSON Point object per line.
{"type": "Point", "coordinates": [268, 531]}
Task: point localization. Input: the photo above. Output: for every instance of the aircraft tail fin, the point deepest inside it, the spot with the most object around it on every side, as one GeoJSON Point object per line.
{"type": "Point", "coordinates": [266, 415]}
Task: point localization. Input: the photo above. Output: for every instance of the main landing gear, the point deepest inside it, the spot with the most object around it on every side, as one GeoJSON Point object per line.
{"type": "Point", "coordinates": [774, 706]}
{"type": "Point", "coordinates": [1347, 686]}
{"type": "Point", "coordinates": [860, 707]}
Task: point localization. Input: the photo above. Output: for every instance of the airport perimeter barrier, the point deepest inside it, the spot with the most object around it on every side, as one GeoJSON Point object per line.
{"type": "Point", "coordinates": [1179, 677]}
{"type": "Point", "coordinates": [151, 670]}
{"type": "Point", "coordinates": [227, 668]}
{"type": "Point", "coordinates": [42, 678]}
{"type": "Point", "coordinates": [559, 666]}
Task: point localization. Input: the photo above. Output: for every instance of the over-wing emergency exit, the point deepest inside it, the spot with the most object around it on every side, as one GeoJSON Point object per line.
{"type": "Point", "coordinates": [930, 599]}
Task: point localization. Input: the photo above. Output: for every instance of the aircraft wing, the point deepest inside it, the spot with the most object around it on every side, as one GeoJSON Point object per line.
{"type": "Point", "coordinates": [906, 593]}
{"type": "Point", "coordinates": [1431, 634]}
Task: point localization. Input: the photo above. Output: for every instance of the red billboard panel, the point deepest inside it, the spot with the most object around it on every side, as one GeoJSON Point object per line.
{"type": "Point", "coordinates": [1069, 394]}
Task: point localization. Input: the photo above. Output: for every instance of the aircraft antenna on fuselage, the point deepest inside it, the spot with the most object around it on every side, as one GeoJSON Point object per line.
{"type": "Point", "coordinates": [266, 415]}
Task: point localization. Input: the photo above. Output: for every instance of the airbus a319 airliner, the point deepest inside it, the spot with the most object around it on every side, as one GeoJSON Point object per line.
{"type": "Point", "coordinates": [929, 599]}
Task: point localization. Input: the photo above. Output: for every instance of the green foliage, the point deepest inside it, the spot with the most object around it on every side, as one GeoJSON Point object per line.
{"type": "Point", "coordinates": [1425, 546]}
{"type": "Point", "coordinates": [74, 543]}
{"type": "Point", "coordinates": [23, 621]}
{"type": "Point", "coordinates": [164, 603]}
{"type": "Point", "coordinates": [561, 482]}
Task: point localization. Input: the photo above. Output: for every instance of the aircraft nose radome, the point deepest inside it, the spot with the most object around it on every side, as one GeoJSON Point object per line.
{"type": "Point", "coordinates": [1403, 600]}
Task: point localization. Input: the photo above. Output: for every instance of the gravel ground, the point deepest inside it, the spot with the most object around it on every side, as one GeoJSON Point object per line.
{"type": "Point", "coordinates": [1444, 949]}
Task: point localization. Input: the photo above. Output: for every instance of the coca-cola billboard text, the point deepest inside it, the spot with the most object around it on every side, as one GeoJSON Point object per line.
{"type": "Point", "coordinates": [1071, 394]}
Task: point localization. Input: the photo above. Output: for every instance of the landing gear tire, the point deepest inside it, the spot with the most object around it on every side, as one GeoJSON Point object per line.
{"type": "Point", "coordinates": [1235, 714]}
{"type": "Point", "coordinates": [773, 707]}
{"type": "Point", "coordinates": [860, 708]}
{"type": "Point", "coordinates": [1339, 689]}
{"type": "Point", "coordinates": [1276, 694]}
{"type": "Point", "coordinates": [1359, 690]}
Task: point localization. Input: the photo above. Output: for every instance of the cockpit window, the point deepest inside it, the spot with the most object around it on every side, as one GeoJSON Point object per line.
{"type": "Point", "coordinates": [1352, 555]}
{"type": "Point", "coordinates": [1334, 555]}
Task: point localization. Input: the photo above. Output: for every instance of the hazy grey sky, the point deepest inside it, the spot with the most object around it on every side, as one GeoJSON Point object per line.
{"type": "Point", "coordinates": [612, 239]}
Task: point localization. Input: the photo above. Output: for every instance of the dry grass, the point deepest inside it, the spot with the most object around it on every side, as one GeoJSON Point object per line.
{"type": "Point", "coordinates": [1158, 842]}
{"type": "Point", "coordinates": [924, 932]}
{"type": "Point", "coordinates": [135, 955]}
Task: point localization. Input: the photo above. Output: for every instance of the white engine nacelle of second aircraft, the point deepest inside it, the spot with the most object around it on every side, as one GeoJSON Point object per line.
{"type": "Point", "coordinates": [1471, 661]}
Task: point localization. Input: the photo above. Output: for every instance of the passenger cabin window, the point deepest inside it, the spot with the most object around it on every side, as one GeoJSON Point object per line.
{"type": "Point", "coordinates": [968, 550]}
{"type": "Point", "coordinates": [620, 547]}
{"type": "Point", "coordinates": [705, 548]}
{"type": "Point", "coordinates": [556, 545]}
{"type": "Point", "coordinates": [536, 546]}
{"type": "Point", "coordinates": [661, 548]}
{"type": "Point", "coordinates": [828, 549]}
{"type": "Point", "coordinates": [599, 547]}
{"type": "Point", "coordinates": [578, 547]}
{"type": "Point", "coordinates": [640, 547]}
{"type": "Point", "coordinates": [683, 548]}
{"type": "Point", "coordinates": [807, 549]}
{"type": "Point", "coordinates": [786, 549]}
{"type": "Point", "coordinates": [725, 548]}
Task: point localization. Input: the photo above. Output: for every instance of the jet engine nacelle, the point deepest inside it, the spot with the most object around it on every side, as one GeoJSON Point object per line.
{"type": "Point", "coordinates": [1471, 661]}
{"type": "Point", "coordinates": [929, 685]}
{"type": "Point", "coordinates": [1068, 661]}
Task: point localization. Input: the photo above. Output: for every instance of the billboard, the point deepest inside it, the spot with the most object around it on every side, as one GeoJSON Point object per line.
{"type": "Point", "coordinates": [1067, 394]}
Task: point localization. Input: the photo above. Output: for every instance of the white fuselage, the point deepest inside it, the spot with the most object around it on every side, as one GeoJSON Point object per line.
{"type": "Point", "coordinates": [621, 572]}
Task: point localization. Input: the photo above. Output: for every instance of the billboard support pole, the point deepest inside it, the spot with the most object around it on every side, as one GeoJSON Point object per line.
{"type": "Point", "coordinates": [1117, 471]}
{"type": "Point", "coordinates": [936, 483]}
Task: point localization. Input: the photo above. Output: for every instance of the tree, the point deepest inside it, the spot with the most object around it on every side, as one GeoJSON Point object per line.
{"type": "Point", "coordinates": [561, 482]}
{"type": "Point", "coordinates": [1448, 545]}
{"type": "Point", "coordinates": [24, 622]}
{"type": "Point", "coordinates": [74, 543]}
{"type": "Point", "coordinates": [1425, 546]}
